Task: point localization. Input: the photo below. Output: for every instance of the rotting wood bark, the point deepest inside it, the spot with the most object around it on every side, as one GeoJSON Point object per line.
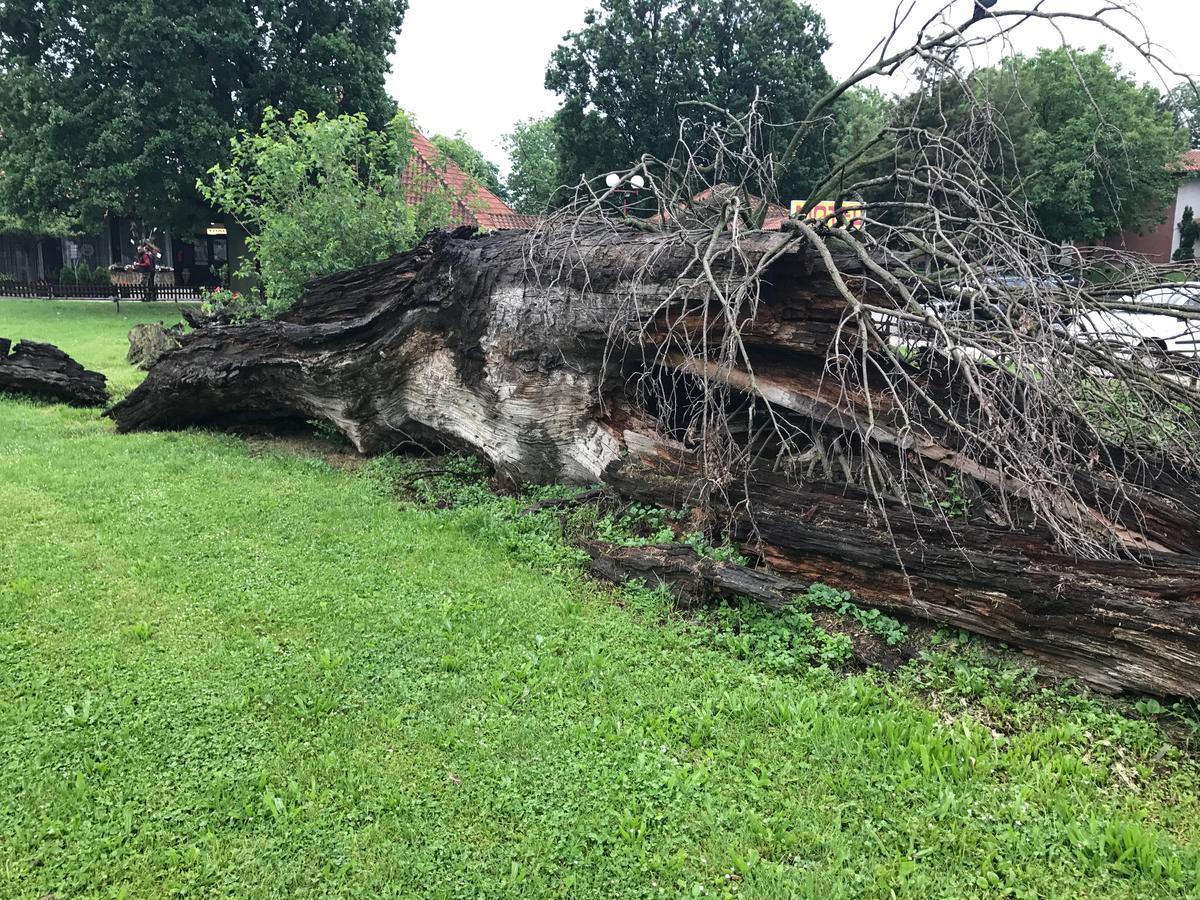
{"type": "Point", "coordinates": [42, 370]}
{"type": "Point", "coordinates": [461, 344]}
{"type": "Point", "coordinates": [1114, 625]}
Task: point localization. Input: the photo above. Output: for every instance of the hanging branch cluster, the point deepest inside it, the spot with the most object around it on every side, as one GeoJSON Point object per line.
{"type": "Point", "coordinates": [956, 376]}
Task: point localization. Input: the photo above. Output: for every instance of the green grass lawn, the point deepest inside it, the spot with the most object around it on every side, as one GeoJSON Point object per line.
{"type": "Point", "coordinates": [230, 672]}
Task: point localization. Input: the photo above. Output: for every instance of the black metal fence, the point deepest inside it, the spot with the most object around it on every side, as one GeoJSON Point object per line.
{"type": "Point", "coordinates": [51, 290]}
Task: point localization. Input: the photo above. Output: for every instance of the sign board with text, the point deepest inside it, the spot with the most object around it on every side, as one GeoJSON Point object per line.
{"type": "Point", "coordinates": [827, 213]}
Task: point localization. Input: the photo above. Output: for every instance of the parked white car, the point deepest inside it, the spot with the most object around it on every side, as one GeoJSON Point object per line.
{"type": "Point", "coordinates": [1153, 337]}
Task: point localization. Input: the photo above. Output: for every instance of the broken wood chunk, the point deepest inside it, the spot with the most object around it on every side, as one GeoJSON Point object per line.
{"type": "Point", "coordinates": [42, 370]}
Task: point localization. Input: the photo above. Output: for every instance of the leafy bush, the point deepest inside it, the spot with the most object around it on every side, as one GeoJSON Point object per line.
{"type": "Point", "coordinates": [79, 273]}
{"type": "Point", "coordinates": [788, 641]}
{"type": "Point", "coordinates": [239, 307]}
{"type": "Point", "coordinates": [319, 196]}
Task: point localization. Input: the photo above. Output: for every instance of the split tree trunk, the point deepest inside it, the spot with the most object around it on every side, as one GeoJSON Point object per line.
{"type": "Point", "coordinates": [42, 370]}
{"type": "Point", "coordinates": [465, 344]}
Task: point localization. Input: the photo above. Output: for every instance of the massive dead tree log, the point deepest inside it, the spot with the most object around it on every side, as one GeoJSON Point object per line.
{"type": "Point", "coordinates": [537, 365]}
{"type": "Point", "coordinates": [43, 370]}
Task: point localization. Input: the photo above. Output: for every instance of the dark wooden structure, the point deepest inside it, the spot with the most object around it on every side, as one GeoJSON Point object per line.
{"type": "Point", "coordinates": [54, 290]}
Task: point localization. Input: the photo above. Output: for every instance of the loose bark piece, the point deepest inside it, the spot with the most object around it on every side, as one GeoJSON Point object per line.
{"type": "Point", "coordinates": [580, 499]}
{"type": "Point", "coordinates": [463, 344]}
{"type": "Point", "coordinates": [42, 370]}
{"type": "Point", "coordinates": [692, 579]}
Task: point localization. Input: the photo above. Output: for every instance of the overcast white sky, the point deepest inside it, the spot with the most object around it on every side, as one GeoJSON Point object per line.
{"type": "Point", "coordinates": [479, 65]}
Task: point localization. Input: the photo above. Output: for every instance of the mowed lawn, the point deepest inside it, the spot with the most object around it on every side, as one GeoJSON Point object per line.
{"type": "Point", "coordinates": [229, 672]}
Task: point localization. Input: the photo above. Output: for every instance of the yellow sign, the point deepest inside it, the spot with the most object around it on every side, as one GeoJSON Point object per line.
{"type": "Point", "coordinates": [217, 230]}
{"type": "Point", "coordinates": [826, 212]}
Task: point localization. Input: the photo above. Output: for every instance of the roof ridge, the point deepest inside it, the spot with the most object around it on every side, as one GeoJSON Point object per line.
{"type": "Point", "coordinates": [472, 200]}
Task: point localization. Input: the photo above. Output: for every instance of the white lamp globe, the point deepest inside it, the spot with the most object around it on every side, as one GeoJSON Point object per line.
{"type": "Point", "coordinates": [613, 179]}
{"type": "Point", "coordinates": [638, 182]}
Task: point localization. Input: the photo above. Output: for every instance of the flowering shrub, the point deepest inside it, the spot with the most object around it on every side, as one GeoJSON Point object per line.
{"type": "Point", "coordinates": [234, 304]}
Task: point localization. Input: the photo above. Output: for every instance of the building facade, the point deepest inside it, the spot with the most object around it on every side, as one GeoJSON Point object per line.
{"type": "Point", "coordinates": [1159, 244]}
{"type": "Point", "coordinates": [202, 258]}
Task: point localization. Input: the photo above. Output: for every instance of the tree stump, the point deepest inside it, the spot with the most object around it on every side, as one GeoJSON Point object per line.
{"type": "Point", "coordinates": [148, 343]}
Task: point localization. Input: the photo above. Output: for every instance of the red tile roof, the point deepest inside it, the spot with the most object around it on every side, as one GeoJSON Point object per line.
{"type": "Point", "coordinates": [1191, 161]}
{"type": "Point", "coordinates": [470, 202]}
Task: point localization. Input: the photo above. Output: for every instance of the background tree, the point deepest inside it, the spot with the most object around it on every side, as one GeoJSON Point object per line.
{"type": "Point", "coordinates": [115, 107]}
{"type": "Point", "coordinates": [1088, 149]}
{"type": "Point", "coordinates": [1102, 146]}
{"type": "Point", "coordinates": [534, 159]}
{"type": "Point", "coordinates": [1185, 100]}
{"type": "Point", "coordinates": [857, 118]}
{"type": "Point", "coordinates": [318, 196]}
{"type": "Point", "coordinates": [471, 161]}
{"type": "Point", "coordinates": [622, 75]}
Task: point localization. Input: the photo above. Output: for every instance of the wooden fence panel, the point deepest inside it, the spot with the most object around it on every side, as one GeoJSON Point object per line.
{"type": "Point", "coordinates": [49, 290]}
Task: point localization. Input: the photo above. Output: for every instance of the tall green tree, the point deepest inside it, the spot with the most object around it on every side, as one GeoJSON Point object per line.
{"type": "Point", "coordinates": [116, 107]}
{"type": "Point", "coordinates": [1189, 233]}
{"type": "Point", "coordinates": [468, 158]}
{"type": "Point", "coordinates": [622, 75]}
{"type": "Point", "coordinates": [1089, 150]}
{"type": "Point", "coordinates": [1102, 146]}
{"type": "Point", "coordinates": [1185, 100]}
{"type": "Point", "coordinates": [534, 174]}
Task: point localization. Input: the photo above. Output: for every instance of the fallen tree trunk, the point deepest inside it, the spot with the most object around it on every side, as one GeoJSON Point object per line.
{"type": "Point", "coordinates": [1115, 625]}
{"type": "Point", "coordinates": [42, 370]}
{"type": "Point", "coordinates": [466, 344]}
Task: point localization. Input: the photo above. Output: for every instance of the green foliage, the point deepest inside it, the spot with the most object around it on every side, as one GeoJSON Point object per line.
{"type": "Point", "coordinates": [858, 116]}
{"type": "Point", "coordinates": [1101, 146]}
{"type": "Point", "coordinates": [1091, 151]}
{"type": "Point", "coordinates": [642, 525]}
{"type": "Point", "coordinates": [238, 306]}
{"type": "Point", "coordinates": [786, 642]}
{"type": "Point", "coordinates": [953, 503]}
{"type": "Point", "coordinates": [471, 161]}
{"type": "Point", "coordinates": [621, 76]}
{"type": "Point", "coordinates": [876, 622]}
{"type": "Point", "coordinates": [1189, 232]}
{"type": "Point", "coordinates": [78, 273]}
{"type": "Point", "coordinates": [534, 175]}
{"type": "Point", "coordinates": [1185, 101]}
{"type": "Point", "coordinates": [637, 525]}
{"type": "Point", "coordinates": [233, 671]}
{"type": "Point", "coordinates": [319, 196]}
{"type": "Point", "coordinates": [116, 106]}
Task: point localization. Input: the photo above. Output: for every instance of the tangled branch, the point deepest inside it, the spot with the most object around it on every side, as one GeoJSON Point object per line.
{"type": "Point", "coordinates": [957, 373]}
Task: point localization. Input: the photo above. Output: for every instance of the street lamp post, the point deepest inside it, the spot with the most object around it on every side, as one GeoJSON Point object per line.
{"type": "Point", "coordinates": [636, 182]}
